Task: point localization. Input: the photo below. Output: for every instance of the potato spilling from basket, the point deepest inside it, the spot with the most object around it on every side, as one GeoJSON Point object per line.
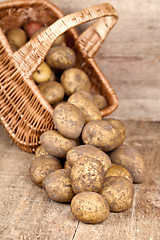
{"type": "Point", "coordinates": [83, 160]}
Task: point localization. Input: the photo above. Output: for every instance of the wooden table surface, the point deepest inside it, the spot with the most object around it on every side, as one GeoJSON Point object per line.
{"type": "Point", "coordinates": [26, 213]}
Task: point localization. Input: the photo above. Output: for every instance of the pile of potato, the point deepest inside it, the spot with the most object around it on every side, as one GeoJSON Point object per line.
{"type": "Point", "coordinates": [83, 160]}
{"type": "Point", "coordinates": [56, 77]}
{"type": "Point", "coordinates": [87, 164]}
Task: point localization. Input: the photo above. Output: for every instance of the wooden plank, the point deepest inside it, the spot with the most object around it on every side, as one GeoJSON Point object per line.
{"type": "Point", "coordinates": [27, 213]}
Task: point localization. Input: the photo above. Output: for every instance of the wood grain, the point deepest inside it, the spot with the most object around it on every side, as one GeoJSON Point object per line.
{"type": "Point", "coordinates": [27, 213]}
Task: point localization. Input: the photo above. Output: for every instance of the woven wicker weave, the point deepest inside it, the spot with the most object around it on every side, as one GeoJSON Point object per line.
{"type": "Point", "coordinates": [24, 113]}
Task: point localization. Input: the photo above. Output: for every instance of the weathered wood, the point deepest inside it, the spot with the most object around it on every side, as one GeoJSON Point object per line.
{"type": "Point", "coordinates": [27, 213]}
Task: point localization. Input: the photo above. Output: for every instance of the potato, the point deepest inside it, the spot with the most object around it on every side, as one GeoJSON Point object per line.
{"type": "Point", "coordinates": [40, 151]}
{"type": "Point", "coordinates": [118, 192]}
{"type": "Point", "coordinates": [58, 186]}
{"type": "Point", "coordinates": [68, 120]}
{"type": "Point", "coordinates": [100, 101]}
{"type": "Point", "coordinates": [41, 166]}
{"type": "Point", "coordinates": [84, 102]}
{"type": "Point", "coordinates": [101, 134]}
{"type": "Point", "coordinates": [60, 57]}
{"type": "Point", "coordinates": [88, 151]}
{"type": "Point", "coordinates": [118, 125]}
{"type": "Point", "coordinates": [74, 79]}
{"type": "Point", "coordinates": [89, 207]}
{"type": "Point", "coordinates": [52, 91]}
{"type": "Point", "coordinates": [56, 144]}
{"type": "Point", "coordinates": [87, 174]}
{"type": "Point", "coordinates": [16, 37]}
{"type": "Point", "coordinates": [66, 165]}
{"type": "Point", "coordinates": [131, 159]}
{"type": "Point", "coordinates": [118, 171]}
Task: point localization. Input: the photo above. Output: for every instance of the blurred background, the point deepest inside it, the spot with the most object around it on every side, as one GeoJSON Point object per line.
{"type": "Point", "coordinates": [130, 56]}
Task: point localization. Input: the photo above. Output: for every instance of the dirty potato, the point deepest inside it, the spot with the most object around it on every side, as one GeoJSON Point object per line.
{"type": "Point", "coordinates": [88, 151]}
{"type": "Point", "coordinates": [58, 186]}
{"type": "Point", "coordinates": [89, 207]}
{"type": "Point", "coordinates": [74, 79]}
{"type": "Point", "coordinates": [101, 134]}
{"type": "Point", "coordinates": [66, 165]}
{"type": "Point", "coordinates": [42, 166]}
{"type": "Point", "coordinates": [52, 91]}
{"type": "Point", "coordinates": [87, 175]}
{"type": "Point", "coordinates": [40, 151]}
{"type": "Point", "coordinates": [56, 144]}
{"type": "Point", "coordinates": [118, 192]}
{"type": "Point", "coordinates": [130, 158]}
{"type": "Point", "coordinates": [68, 120]}
{"type": "Point", "coordinates": [118, 171]}
{"type": "Point", "coordinates": [60, 57]}
{"type": "Point", "coordinates": [83, 100]}
{"type": "Point", "coordinates": [100, 101]}
{"type": "Point", "coordinates": [118, 124]}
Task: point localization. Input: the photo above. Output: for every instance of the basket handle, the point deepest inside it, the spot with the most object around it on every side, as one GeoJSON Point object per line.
{"type": "Point", "coordinates": [30, 56]}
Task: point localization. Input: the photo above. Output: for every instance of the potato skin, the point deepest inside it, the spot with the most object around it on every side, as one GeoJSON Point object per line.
{"type": "Point", "coordinates": [74, 79]}
{"type": "Point", "coordinates": [40, 151]}
{"type": "Point", "coordinates": [68, 120]}
{"type": "Point", "coordinates": [119, 126]}
{"type": "Point", "coordinates": [84, 101]}
{"type": "Point", "coordinates": [100, 101]}
{"type": "Point", "coordinates": [52, 91]}
{"type": "Point", "coordinates": [66, 165]}
{"type": "Point", "coordinates": [88, 151]}
{"type": "Point", "coordinates": [101, 134]}
{"type": "Point", "coordinates": [118, 171]}
{"type": "Point", "coordinates": [89, 207]}
{"type": "Point", "coordinates": [87, 175]}
{"type": "Point", "coordinates": [56, 144]}
{"type": "Point", "coordinates": [118, 192]}
{"type": "Point", "coordinates": [60, 57]}
{"type": "Point", "coordinates": [131, 159]}
{"type": "Point", "coordinates": [58, 186]}
{"type": "Point", "coordinates": [42, 166]}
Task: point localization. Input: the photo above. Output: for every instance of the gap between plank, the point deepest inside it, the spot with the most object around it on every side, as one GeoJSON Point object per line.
{"type": "Point", "coordinates": [75, 231]}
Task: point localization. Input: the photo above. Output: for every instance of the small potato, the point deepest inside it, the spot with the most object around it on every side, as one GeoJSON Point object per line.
{"type": "Point", "coordinates": [58, 186]}
{"type": "Point", "coordinates": [60, 57]}
{"type": "Point", "coordinates": [101, 134]}
{"type": "Point", "coordinates": [52, 91]}
{"type": "Point", "coordinates": [118, 192]}
{"type": "Point", "coordinates": [84, 102]}
{"type": "Point", "coordinates": [66, 165]}
{"type": "Point", "coordinates": [40, 151]}
{"type": "Point", "coordinates": [88, 151]}
{"type": "Point", "coordinates": [119, 126]}
{"type": "Point", "coordinates": [74, 79]}
{"type": "Point", "coordinates": [42, 74]}
{"type": "Point", "coordinates": [87, 175]}
{"type": "Point", "coordinates": [68, 120]}
{"type": "Point", "coordinates": [42, 166]}
{"type": "Point", "coordinates": [131, 159]}
{"type": "Point", "coordinates": [100, 101]}
{"type": "Point", "coordinates": [56, 144]}
{"type": "Point", "coordinates": [89, 207]}
{"type": "Point", "coordinates": [16, 37]}
{"type": "Point", "coordinates": [118, 171]}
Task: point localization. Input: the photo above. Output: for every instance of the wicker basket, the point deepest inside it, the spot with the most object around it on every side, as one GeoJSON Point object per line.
{"type": "Point", "coordinates": [24, 113]}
